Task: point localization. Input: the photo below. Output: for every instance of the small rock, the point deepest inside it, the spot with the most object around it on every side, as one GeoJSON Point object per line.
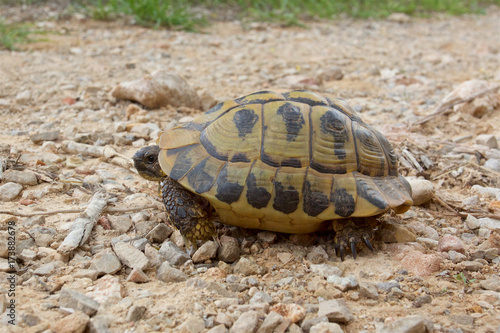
{"type": "Point", "coordinates": [410, 324]}
{"type": "Point", "coordinates": [422, 191]}
{"type": "Point", "coordinates": [105, 262]}
{"type": "Point", "coordinates": [343, 283]}
{"type": "Point", "coordinates": [478, 106]}
{"type": "Point", "coordinates": [393, 232]}
{"type": "Point", "coordinates": [451, 243]}
{"type": "Point", "coordinates": [285, 257]}
{"type": "Point", "coordinates": [23, 97]}
{"type": "Point", "coordinates": [73, 323]}
{"type": "Point", "coordinates": [472, 222]}
{"type": "Point", "coordinates": [218, 329]}
{"type": "Point", "coordinates": [303, 239]}
{"type": "Point", "coordinates": [492, 283]}
{"type": "Point", "coordinates": [332, 73]}
{"type": "Point", "coordinates": [191, 325]}
{"type": "Point", "coordinates": [159, 89]}
{"type": "Point", "coordinates": [44, 136]}
{"type": "Point", "coordinates": [326, 328]}
{"type": "Point", "coordinates": [492, 164]}
{"type": "Point", "coordinates": [421, 264]}
{"type": "Point", "coordinates": [246, 323]}
{"type": "Point", "coordinates": [98, 324]}
{"type": "Point", "coordinates": [43, 236]}
{"type": "Point", "coordinates": [207, 251]}
{"type": "Point", "coordinates": [399, 17]}
{"type": "Point", "coordinates": [387, 286]}
{"type": "Point", "coordinates": [135, 313]}
{"type": "Point", "coordinates": [9, 191]}
{"type": "Point", "coordinates": [456, 257]}
{"type": "Point", "coordinates": [292, 312]}
{"type": "Point", "coordinates": [487, 223]}
{"type": "Point", "coordinates": [472, 201]}
{"type": "Point", "coordinates": [167, 273]}
{"type": "Point", "coordinates": [122, 223]}
{"type": "Point", "coordinates": [335, 310]}
{"type": "Point", "coordinates": [421, 300]}
{"type": "Point", "coordinates": [325, 270]}
{"type": "Point", "coordinates": [107, 291]}
{"type": "Point", "coordinates": [272, 320]}
{"type": "Point", "coordinates": [130, 256]}
{"type": "Point", "coordinates": [74, 300]}
{"type": "Point", "coordinates": [137, 276]}
{"type": "Point", "coordinates": [307, 324]}
{"type": "Point", "coordinates": [473, 266]}
{"type": "Point", "coordinates": [484, 190]}
{"type": "Point", "coordinates": [19, 177]}
{"type": "Point", "coordinates": [86, 273]}
{"type": "Point", "coordinates": [430, 243]}
{"type": "Point", "coordinates": [462, 319]}
{"type": "Point", "coordinates": [317, 255]}
{"type": "Point", "coordinates": [160, 233]}
{"type": "Point", "coordinates": [247, 267]}
{"type": "Point", "coordinates": [260, 297]}
{"type": "Point", "coordinates": [173, 254]}
{"type": "Point", "coordinates": [368, 290]}
{"type": "Point", "coordinates": [229, 250]}
{"type": "Point", "coordinates": [48, 268]}
{"type": "Point", "coordinates": [267, 236]}
{"type": "Point", "coordinates": [488, 140]}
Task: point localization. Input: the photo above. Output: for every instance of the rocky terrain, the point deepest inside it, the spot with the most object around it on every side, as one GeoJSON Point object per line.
{"type": "Point", "coordinates": [69, 130]}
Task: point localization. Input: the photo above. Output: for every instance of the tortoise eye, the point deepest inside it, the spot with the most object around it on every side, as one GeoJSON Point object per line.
{"type": "Point", "coordinates": [151, 158]}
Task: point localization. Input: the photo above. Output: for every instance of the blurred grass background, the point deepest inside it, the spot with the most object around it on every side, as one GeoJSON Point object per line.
{"type": "Point", "coordinates": [192, 15]}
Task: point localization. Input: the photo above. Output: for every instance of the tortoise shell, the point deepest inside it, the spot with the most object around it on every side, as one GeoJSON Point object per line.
{"type": "Point", "coordinates": [285, 162]}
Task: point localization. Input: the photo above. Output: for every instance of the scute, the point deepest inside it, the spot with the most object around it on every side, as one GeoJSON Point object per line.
{"type": "Point", "coordinates": [285, 162]}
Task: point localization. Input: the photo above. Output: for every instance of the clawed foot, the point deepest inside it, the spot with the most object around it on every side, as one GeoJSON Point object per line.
{"type": "Point", "coordinates": [349, 234]}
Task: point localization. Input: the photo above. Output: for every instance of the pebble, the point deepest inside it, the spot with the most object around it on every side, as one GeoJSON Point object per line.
{"type": "Point", "coordinates": [43, 236]}
{"type": "Point", "coordinates": [489, 223]}
{"type": "Point", "coordinates": [368, 290]}
{"type": "Point", "coordinates": [37, 138]}
{"type": "Point", "coordinates": [472, 222]}
{"type": "Point", "coordinates": [472, 201]}
{"type": "Point", "coordinates": [86, 273]}
{"type": "Point", "coordinates": [73, 323]}
{"type": "Point", "coordinates": [489, 191]}
{"type": "Point", "coordinates": [421, 264]}
{"type": "Point", "coordinates": [260, 297]}
{"type": "Point", "coordinates": [137, 276]}
{"type": "Point", "coordinates": [430, 243]}
{"type": "Point", "coordinates": [326, 328]}
{"type": "Point", "coordinates": [456, 257]}
{"type": "Point", "coordinates": [292, 312]}
{"type": "Point", "coordinates": [310, 322]}
{"type": "Point", "coordinates": [191, 325]}
{"type": "Point", "coordinates": [130, 256]}
{"type": "Point", "coordinates": [19, 177]}
{"type": "Point", "coordinates": [488, 140]}
{"type": "Point", "coordinates": [98, 324]}
{"type": "Point", "coordinates": [218, 329]}
{"type": "Point", "coordinates": [422, 190]}
{"type": "Point", "coordinates": [410, 324]}
{"type": "Point", "coordinates": [160, 233]}
{"type": "Point", "coordinates": [105, 262]}
{"type": "Point", "coordinates": [343, 283]}
{"type": "Point", "coordinates": [272, 320]}
{"type": "Point", "coordinates": [247, 267]}
{"type": "Point", "coordinates": [229, 250]}
{"type": "Point", "coordinates": [23, 97]}
{"type": "Point", "coordinates": [317, 255]}
{"type": "Point", "coordinates": [120, 223]}
{"type": "Point", "coordinates": [325, 270]}
{"type": "Point", "coordinates": [451, 243]}
{"type": "Point", "coordinates": [247, 322]}
{"type": "Point", "coordinates": [492, 164]}
{"type": "Point", "coordinates": [206, 251]}
{"type": "Point", "coordinates": [421, 300]}
{"type": "Point", "coordinates": [107, 291]}
{"type": "Point", "coordinates": [167, 273]}
{"type": "Point", "coordinates": [491, 283]}
{"type": "Point", "coordinates": [393, 232]}
{"type": "Point", "coordinates": [10, 191]}
{"type": "Point", "coordinates": [158, 89]}
{"type": "Point", "coordinates": [135, 313]}
{"type": "Point", "coordinates": [335, 310]}
{"type": "Point", "coordinates": [173, 254]}
{"type": "Point", "coordinates": [473, 266]}
{"type": "Point", "coordinates": [74, 300]}
{"type": "Point", "coordinates": [267, 236]}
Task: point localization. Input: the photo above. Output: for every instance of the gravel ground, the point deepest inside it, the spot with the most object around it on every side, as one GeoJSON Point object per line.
{"type": "Point", "coordinates": [435, 268]}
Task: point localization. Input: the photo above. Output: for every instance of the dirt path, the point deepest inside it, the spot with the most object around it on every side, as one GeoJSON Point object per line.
{"type": "Point", "coordinates": [392, 72]}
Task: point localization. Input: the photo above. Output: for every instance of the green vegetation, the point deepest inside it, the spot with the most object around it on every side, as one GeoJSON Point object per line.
{"type": "Point", "coordinates": [12, 34]}
{"type": "Point", "coordinates": [192, 14]}
{"type": "Point", "coordinates": [462, 278]}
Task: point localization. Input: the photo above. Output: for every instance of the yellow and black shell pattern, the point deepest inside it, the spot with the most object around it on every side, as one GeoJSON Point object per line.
{"type": "Point", "coordinates": [285, 162]}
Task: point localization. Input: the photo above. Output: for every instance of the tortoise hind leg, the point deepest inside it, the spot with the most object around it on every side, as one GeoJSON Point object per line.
{"type": "Point", "coordinates": [351, 232]}
{"type": "Point", "coordinates": [188, 212]}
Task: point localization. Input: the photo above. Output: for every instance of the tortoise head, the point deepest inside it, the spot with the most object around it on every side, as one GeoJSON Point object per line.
{"type": "Point", "coordinates": [147, 164]}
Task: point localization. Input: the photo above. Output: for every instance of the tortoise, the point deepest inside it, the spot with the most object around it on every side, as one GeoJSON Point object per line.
{"type": "Point", "coordinates": [295, 162]}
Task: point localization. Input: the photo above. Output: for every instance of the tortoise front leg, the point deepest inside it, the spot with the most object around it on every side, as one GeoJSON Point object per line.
{"type": "Point", "coordinates": [187, 212]}
{"type": "Point", "coordinates": [350, 232]}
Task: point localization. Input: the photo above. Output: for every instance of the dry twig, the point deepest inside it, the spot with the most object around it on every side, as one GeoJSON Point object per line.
{"type": "Point", "coordinates": [111, 210]}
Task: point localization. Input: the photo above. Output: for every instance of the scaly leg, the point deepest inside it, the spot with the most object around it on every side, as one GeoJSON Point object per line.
{"type": "Point", "coordinates": [188, 212]}
{"type": "Point", "coordinates": [350, 232]}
